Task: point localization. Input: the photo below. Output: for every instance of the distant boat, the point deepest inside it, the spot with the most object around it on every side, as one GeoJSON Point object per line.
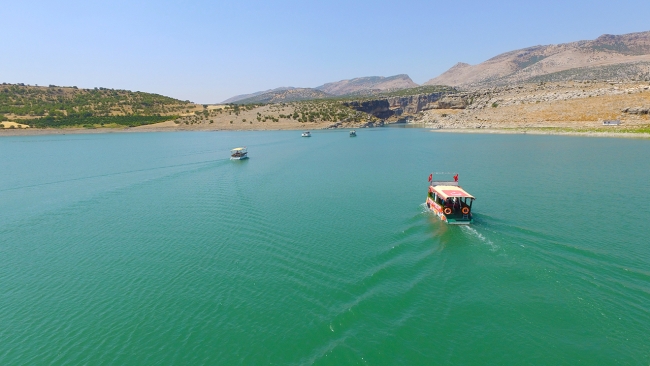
{"type": "Point", "coordinates": [451, 203]}
{"type": "Point", "coordinates": [306, 134]}
{"type": "Point", "coordinates": [238, 153]}
{"type": "Point", "coordinates": [353, 133]}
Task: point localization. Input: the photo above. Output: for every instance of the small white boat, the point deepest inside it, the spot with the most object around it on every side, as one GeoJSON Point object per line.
{"type": "Point", "coordinates": [306, 134]}
{"type": "Point", "coordinates": [353, 133]}
{"type": "Point", "coordinates": [239, 153]}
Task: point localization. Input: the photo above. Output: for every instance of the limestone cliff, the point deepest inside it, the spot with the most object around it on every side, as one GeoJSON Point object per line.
{"type": "Point", "coordinates": [401, 107]}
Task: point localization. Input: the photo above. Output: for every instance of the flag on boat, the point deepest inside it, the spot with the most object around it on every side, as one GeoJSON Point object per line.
{"type": "Point", "coordinates": [456, 178]}
{"type": "Point", "coordinates": [430, 177]}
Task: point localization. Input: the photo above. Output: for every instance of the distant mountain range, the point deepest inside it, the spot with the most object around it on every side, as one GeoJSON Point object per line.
{"type": "Point", "coordinates": [283, 95]}
{"type": "Point", "coordinates": [609, 57]}
{"type": "Point", "coordinates": [370, 83]}
{"type": "Point", "coordinates": [357, 86]}
{"type": "Point", "coordinates": [252, 95]}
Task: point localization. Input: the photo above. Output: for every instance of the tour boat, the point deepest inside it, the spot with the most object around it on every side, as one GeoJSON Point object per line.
{"type": "Point", "coordinates": [306, 134]}
{"type": "Point", "coordinates": [238, 153]}
{"type": "Point", "coordinates": [353, 133]}
{"type": "Point", "coordinates": [451, 203]}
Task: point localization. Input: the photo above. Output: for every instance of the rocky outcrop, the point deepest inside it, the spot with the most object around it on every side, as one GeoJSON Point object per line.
{"type": "Point", "coordinates": [637, 110]}
{"type": "Point", "coordinates": [371, 124]}
{"type": "Point", "coordinates": [454, 101]}
{"type": "Point", "coordinates": [348, 124]}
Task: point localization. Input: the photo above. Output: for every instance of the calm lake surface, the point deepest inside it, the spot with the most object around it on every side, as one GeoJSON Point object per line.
{"type": "Point", "coordinates": [154, 248]}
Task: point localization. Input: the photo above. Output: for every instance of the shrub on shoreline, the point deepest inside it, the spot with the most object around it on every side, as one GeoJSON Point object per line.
{"type": "Point", "coordinates": [76, 121]}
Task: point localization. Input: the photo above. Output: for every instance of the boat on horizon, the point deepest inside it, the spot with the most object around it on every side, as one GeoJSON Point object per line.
{"type": "Point", "coordinates": [239, 153]}
{"type": "Point", "coordinates": [449, 201]}
{"type": "Point", "coordinates": [306, 134]}
{"type": "Point", "coordinates": [353, 133]}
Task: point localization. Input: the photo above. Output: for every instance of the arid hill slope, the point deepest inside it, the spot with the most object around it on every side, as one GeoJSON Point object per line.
{"type": "Point", "coordinates": [607, 57]}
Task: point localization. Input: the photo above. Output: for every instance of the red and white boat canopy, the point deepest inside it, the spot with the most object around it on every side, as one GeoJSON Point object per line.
{"type": "Point", "coordinates": [451, 191]}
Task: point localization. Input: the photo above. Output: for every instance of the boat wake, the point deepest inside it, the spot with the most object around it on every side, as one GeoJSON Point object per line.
{"type": "Point", "coordinates": [473, 232]}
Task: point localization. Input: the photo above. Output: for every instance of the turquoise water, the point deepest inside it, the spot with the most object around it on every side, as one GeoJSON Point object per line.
{"type": "Point", "coordinates": [154, 248]}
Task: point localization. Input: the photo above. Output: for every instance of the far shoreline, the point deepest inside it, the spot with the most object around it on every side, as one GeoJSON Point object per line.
{"type": "Point", "coordinates": [81, 131]}
{"type": "Point", "coordinates": [461, 130]}
{"type": "Point", "coordinates": [532, 131]}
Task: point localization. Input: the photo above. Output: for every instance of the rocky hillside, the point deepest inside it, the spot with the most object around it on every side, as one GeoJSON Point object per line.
{"type": "Point", "coordinates": [284, 96]}
{"type": "Point", "coordinates": [575, 104]}
{"type": "Point", "coordinates": [607, 57]}
{"type": "Point", "coordinates": [370, 83]}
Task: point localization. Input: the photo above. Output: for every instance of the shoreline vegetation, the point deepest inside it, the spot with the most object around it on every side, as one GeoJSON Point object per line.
{"type": "Point", "coordinates": [171, 127]}
{"type": "Point", "coordinates": [40, 107]}
{"type": "Point", "coordinates": [575, 108]}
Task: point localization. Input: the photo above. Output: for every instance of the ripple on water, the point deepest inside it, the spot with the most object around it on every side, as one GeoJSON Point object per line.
{"type": "Point", "coordinates": [158, 250]}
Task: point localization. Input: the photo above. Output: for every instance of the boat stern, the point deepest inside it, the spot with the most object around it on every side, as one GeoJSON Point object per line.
{"type": "Point", "coordinates": [450, 203]}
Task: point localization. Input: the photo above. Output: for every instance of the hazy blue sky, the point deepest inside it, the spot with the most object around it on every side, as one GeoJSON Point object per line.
{"type": "Point", "coordinates": [207, 51]}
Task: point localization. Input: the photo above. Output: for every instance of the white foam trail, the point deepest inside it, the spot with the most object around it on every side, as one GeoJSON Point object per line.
{"type": "Point", "coordinates": [480, 236]}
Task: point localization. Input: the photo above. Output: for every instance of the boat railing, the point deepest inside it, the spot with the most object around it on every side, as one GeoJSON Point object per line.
{"type": "Point", "coordinates": [444, 183]}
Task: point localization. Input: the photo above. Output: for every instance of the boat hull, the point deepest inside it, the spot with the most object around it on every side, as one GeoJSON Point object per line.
{"type": "Point", "coordinates": [438, 211]}
{"type": "Point", "coordinates": [238, 157]}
